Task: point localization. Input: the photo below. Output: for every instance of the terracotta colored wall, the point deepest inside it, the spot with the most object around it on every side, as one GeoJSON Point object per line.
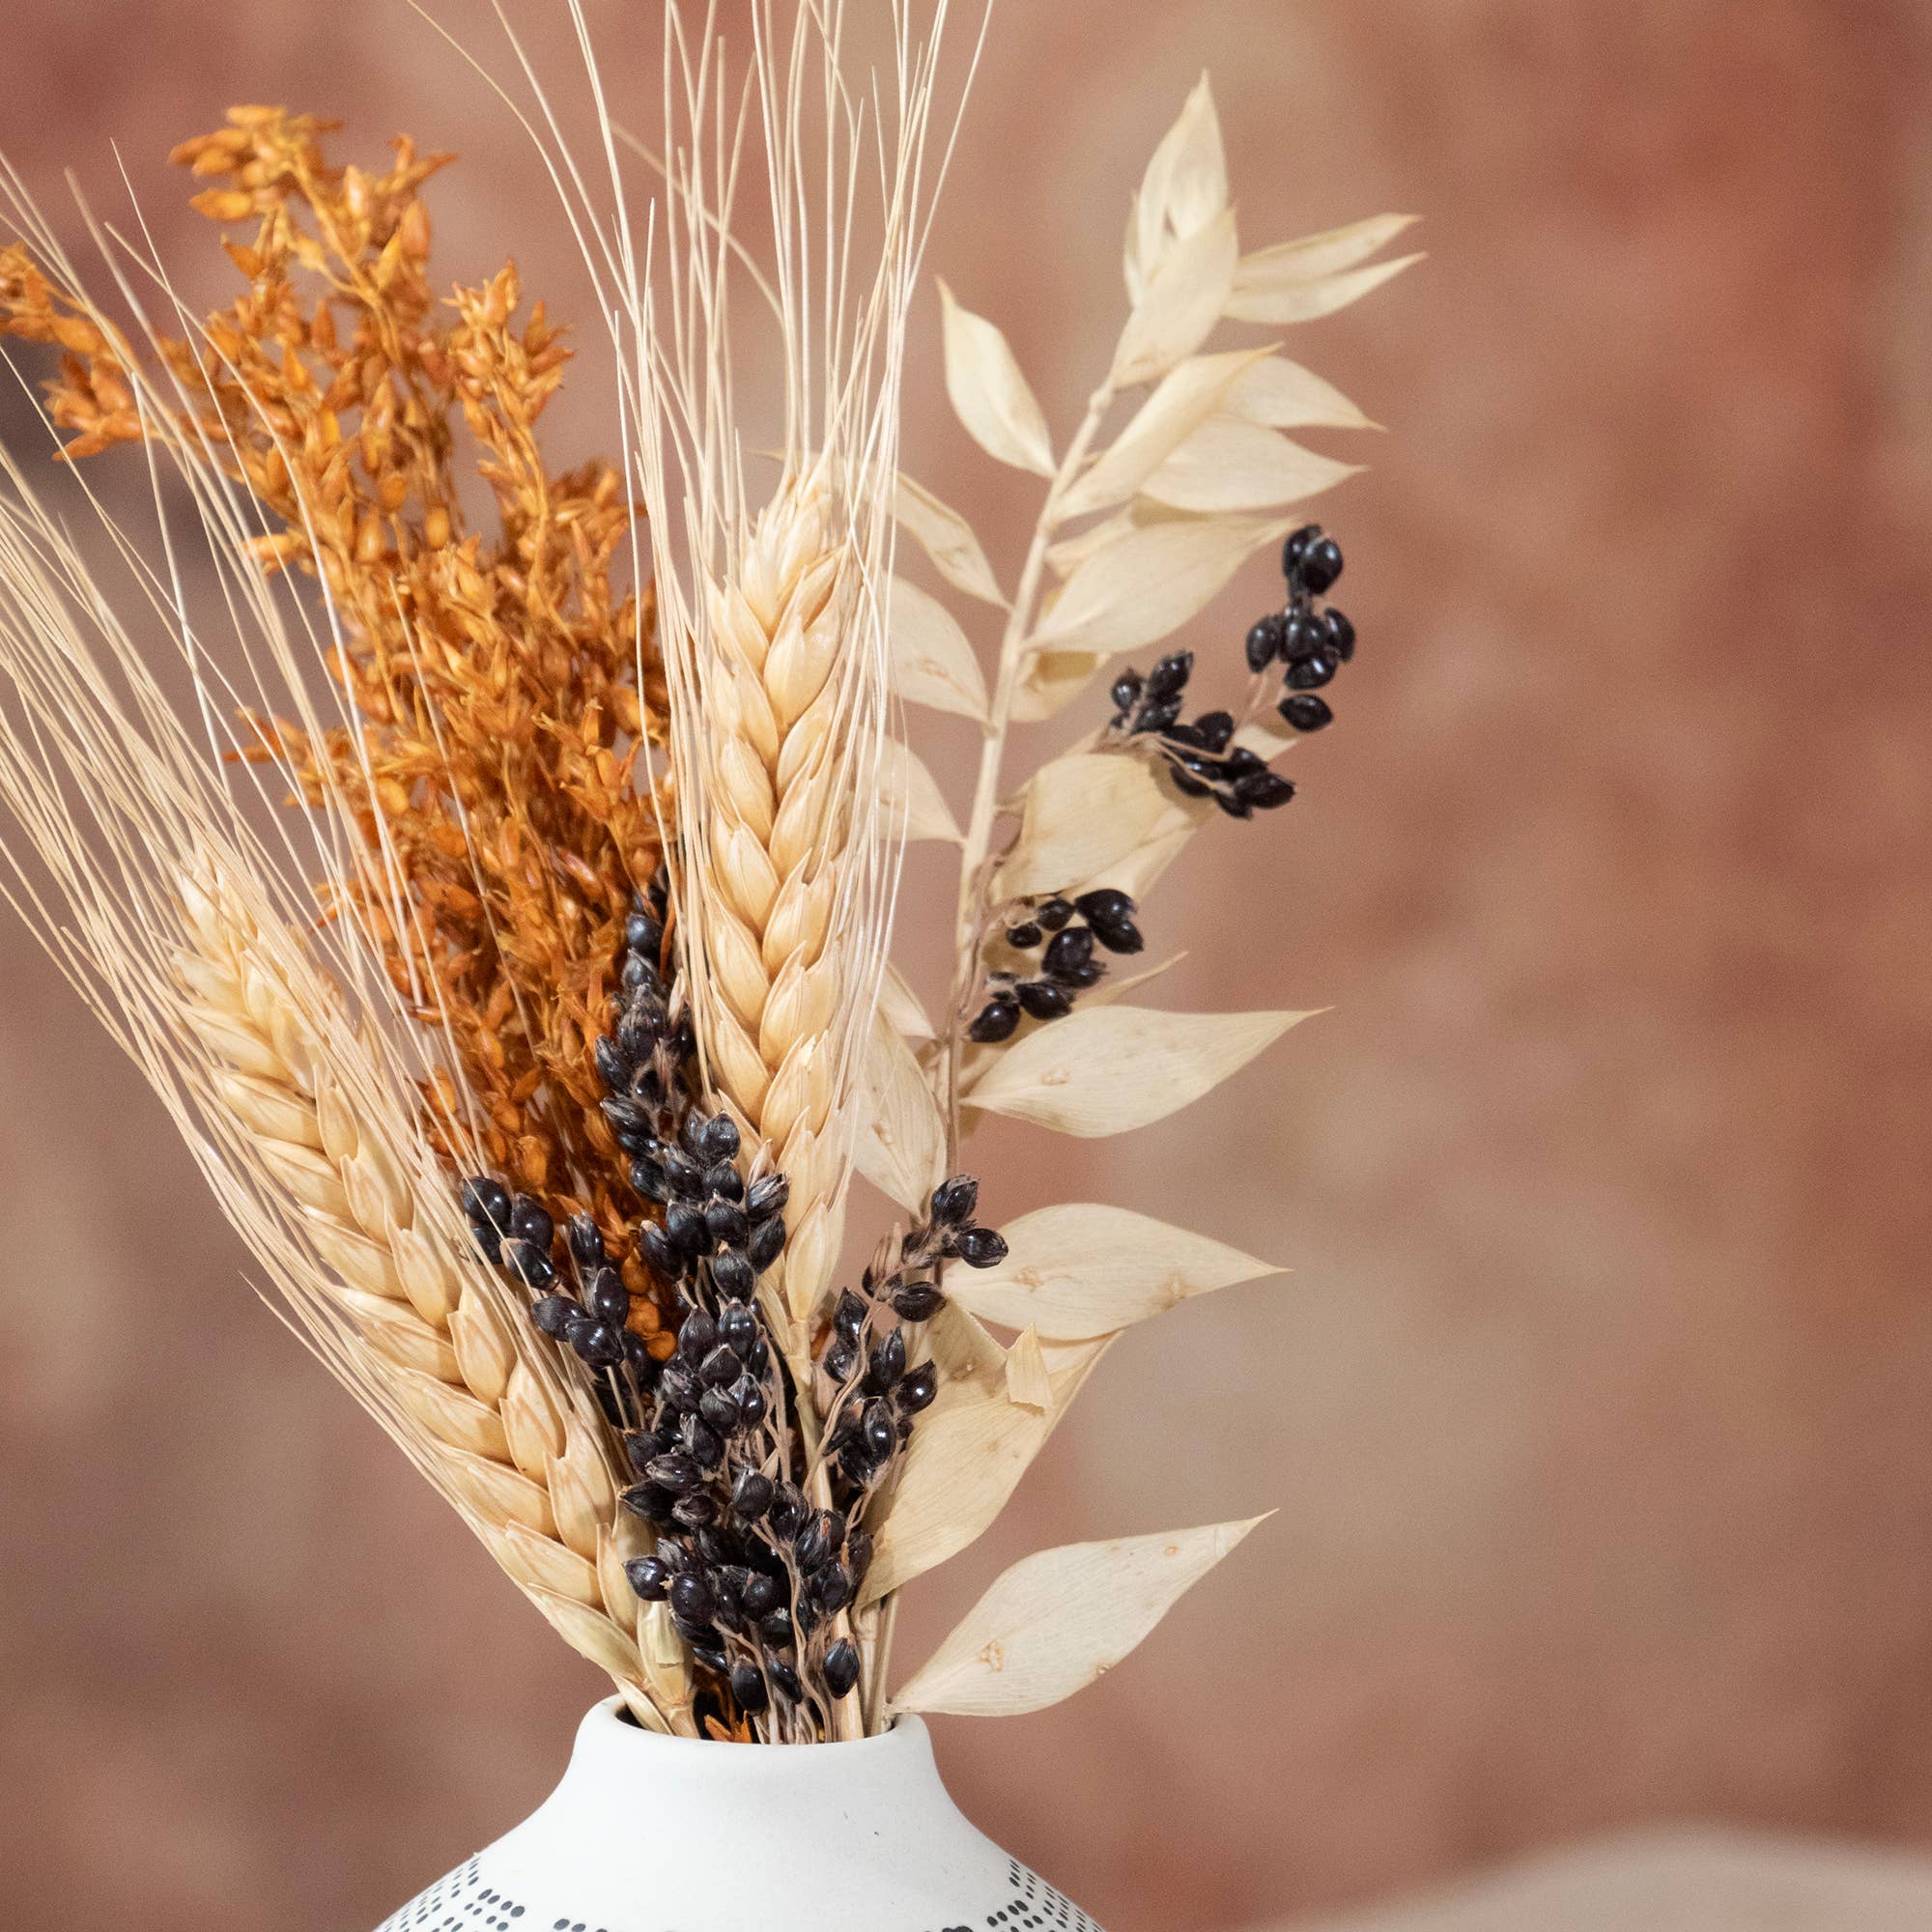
{"type": "Point", "coordinates": [1598, 1408]}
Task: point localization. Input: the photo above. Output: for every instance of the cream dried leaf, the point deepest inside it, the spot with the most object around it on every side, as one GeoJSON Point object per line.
{"type": "Point", "coordinates": [1255, 298]}
{"type": "Point", "coordinates": [1055, 1622]}
{"type": "Point", "coordinates": [1185, 296]}
{"type": "Point", "coordinates": [911, 803]}
{"type": "Point", "coordinates": [989, 394]}
{"type": "Point", "coordinates": [1281, 395]}
{"type": "Point", "coordinates": [1029, 1384]}
{"type": "Point", "coordinates": [1052, 680]}
{"type": "Point", "coordinates": [947, 539]}
{"type": "Point", "coordinates": [1083, 1269]}
{"type": "Point", "coordinates": [900, 1006]}
{"type": "Point", "coordinates": [1186, 398]}
{"type": "Point", "coordinates": [1109, 1071]}
{"type": "Point", "coordinates": [1082, 813]}
{"type": "Point", "coordinates": [933, 662]}
{"type": "Point", "coordinates": [1315, 258]}
{"type": "Point", "coordinates": [964, 1461]}
{"type": "Point", "coordinates": [1150, 579]}
{"type": "Point", "coordinates": [1231, 466]}
{"type": "Point", "coordinates": [900, 1142]}
{"type": "Point", "coordinates": [1184, 189]}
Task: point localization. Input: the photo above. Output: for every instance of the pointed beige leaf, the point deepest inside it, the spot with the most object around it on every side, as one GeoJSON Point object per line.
{"type": "Point", "coordinates": [1185, 296]}
{"type": "Point", "coordinates": [1055, 1622]}
{"type": "Point", "coordinates": [1112, 990]}
{"type": "Point", "coordinates": [1227, 464]}
{"type": "Point", "coordinates": [1184, 189]}
{"type": "Point", "coordinates": [1083, 1269]}
{"type": "Point", "coordinates": [965, 1460]}
{"type": "Point", "coordinates": [1052, 680]}
{"type": "Point", "coordinates": [900, 1006]}
{"type": "Point", "coordinates": [1186, 398]}
{"type": "Point", "coordinates": [933, 662]}
{"type": "Point", "coordinates": [1315, 258]}
{"type": "Point", "coordinates": [1027, 1383]}
{"type": "Point", "coordinates": [989, 394]}
{"type": "Point", "coordinates": [1281, 395]}
{"type": "Point", "coordinates": [947, 539]}
{"type": "Point", "coordinates": [1150, 580]}
{"type": "Point", "coordinates": [1109, 1071]}
{"type": "Point", "coordinates": [1148, 863]}
{"type": "Point", "coordinates": [910, 801]}
{"type": "Point", "coordinates": [1255, 299]}
{"type": "Point", "coordinates": [1082, 813]}
{"type": "Point", "coordinates": [903, 1140]}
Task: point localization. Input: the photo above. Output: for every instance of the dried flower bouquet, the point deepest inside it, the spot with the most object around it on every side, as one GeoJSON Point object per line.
{"type": "Point", "coordinates": [535, 1050]}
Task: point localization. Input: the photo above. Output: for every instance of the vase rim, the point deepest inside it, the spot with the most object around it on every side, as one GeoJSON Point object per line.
{"type": "Point", "coordinates": [610, 1719]}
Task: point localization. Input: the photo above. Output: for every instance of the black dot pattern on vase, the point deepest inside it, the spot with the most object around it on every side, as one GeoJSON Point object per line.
{"type": "Point", "coordinates": [465, 1901]}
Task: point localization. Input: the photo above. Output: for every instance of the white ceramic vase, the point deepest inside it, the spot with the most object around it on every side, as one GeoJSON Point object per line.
{"type": "Point", "coordinates": [650, 1833]}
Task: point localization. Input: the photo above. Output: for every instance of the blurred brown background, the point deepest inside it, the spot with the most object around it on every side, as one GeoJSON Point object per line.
{"type": "Point", "coordinates": [1598, 1410]}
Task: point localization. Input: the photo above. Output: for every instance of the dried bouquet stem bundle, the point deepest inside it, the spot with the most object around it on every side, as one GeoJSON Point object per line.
{"type": "Point", "coordinates": [537, 1073]}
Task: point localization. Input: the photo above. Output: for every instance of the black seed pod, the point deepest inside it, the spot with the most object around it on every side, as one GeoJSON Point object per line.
{"type": "Point", "coordinates": [640, 1446]}
{"type": "Point", "coordinates": [607, 1297]}
{"type": "Point", "coordinates": [649, 1179]}
{"type": "Point", "coordinates": [586, 1243]}
{"type": "Point", "coordinates": [1305, 636]}
{"type": "Point", "coordinates": [677, 1472]}
{"type": "Point", "coordinates": [881, 1432]}
{"type": "Point", "coordinates": [1126, 690]}
{"type": "Point", "coordinates": [761, 1596]}
{"type": "Point", "coordinates": [1264, 644]}
{"type": "Point", "coordinates": [1216, 729]}
{"type": "Point", "coordinates": [918, 1390]}
{"type": "Point", "coordinates": [1264, 790]}
{"type": "Point", "coordinates": [611, 1067]}
{"type": "Point", "coordinates": [956, 1200]}
{"type": "Point", "coordinates": [788, 1510]}
{"type": "Point", "coordinates": [817, 1540]}
{"type": "Point", "coordinates": [487, 1202]}
{"type": "Point", "coordinates": [643, 934]}
{"type": "Point", "coordinates": [1341, 635]}
{"type": "Point", "coordinates": [1297, 548]}
{"type": "Point", "coordinates": [859, 1553]}
{"type": "Point", "coordinates": [727, 1222]}
{"type": "Point", "coordinates": [1169, 678]}
{"type": "Point", "coordinates": [841, 1668]}
{"type": "Point", "coordinates": [685, 1224]}
{"type": "Point", "coordinates": [776, 1629]}
{"type": "Point", "coordinates": [659, 1252]}
{"type": "Point", "coordinates": [554, 1314]}
{"type": "Point", "coordinates": [738, 1326]}
{"type": "Point", "coordinates": [849, 1316]}
{"type": "Point", "coordinates": [1120, 935]}
{"type": "Point", "coordinates": [693, 1598]}
{"type": "Point", "coordinates": [888, 1364]}
{"type": "Point", "coordinates": [696, 1512]}
{"type": "Point", "coordinates": [833, 1588]}
{"type": "Point", "coordinates": [839, 1360]}
{"type": "Point", "coordinates": [724, 1182]}
{"type": "Point", "coordinates": [705, 1444]}
{"type": "Point", "coordinates": [767, 1196]}
{"type": "Point", "coordinates": [748, 1687]}
{"type": "Point", "coordinates": [1157, 717]}
{"type": "Point", "coordinates": [1041, 1000]}
{"type": "Point", "coordinates": [651, 1503]}
{"type": "Point", "coordinates": [678, 1387]}
{"type": "Point", "coordinates": [603, 1347]}
{"type": "Point", "coordinates": [1306, 713]}
{"type": "Point", "coordinates": [697, 1337]}
{"type": "Point", "coordinates": [733, 1273]}
{"type": "Point", "coordinates": [748, 1393]}
{"type": "Point", "coordinates": [998, 1021]}
{"type": "Point", "coordinates": [1023, 938]}
{"type": "Point", "coordinates": [717, 1140]}
{"type": "Point", "coordinates": [981, 1248]}
{"type": "Point", "coordinates": [529, 1264]}
{"type": "Point", "coordinates": [766, 1244]}
{"type": "Point", "coordinates": [720, 1366]}
{"type": "Point", "coordinates": [784, 1680]}
{"type": "Point", "coordinates": [648, 1577]}
{"type": "Point", "coordinates": [1313, 672]}
{"type": "Point", "coordinates": [918, 1301]}
{"type": "Point", "coordinates": [1321, 564]}
{"type": "Point", "coordinates": [719, 1412]}
{"type": "Point", "coordinates": [1106, 906]}
{"type": "Point", "coordinates": [1069, 952]}
{"type": "Point", "coordinates": [751, 1495]}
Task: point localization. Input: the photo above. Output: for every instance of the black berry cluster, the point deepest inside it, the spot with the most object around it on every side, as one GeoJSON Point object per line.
{"type": "Point", "coordinates": [1310, 644]}
{"type": "Point", "coordinates": [1064, 935]}
{"type": "Point", "coordinates": [1201, 756]}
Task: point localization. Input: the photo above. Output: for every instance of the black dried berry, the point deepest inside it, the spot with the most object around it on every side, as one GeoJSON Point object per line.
{"type": "Point", "coordinates": [748, 1393]}
{"type": "Point", "coordinates": [554, 1313]}
{"type": "Point", "coordinates": [1264, 790]}
{"type": "Point", "coordinates": [751, 1495]}
{"type": "Point", "coordinates": [1216, 728]}
{"type": "Point", "coordinates": [766, 1244]}
{"type": "Point", "coordinates": [602, 1346]}
{"type": "Point", "coordinates": [658, 1252]}
{"type": "Point", "coordinates": [1169, 678]}
{"type": "Point", "coordinates": [841, 1668]}
{"type": "Point", "coordinates": [1311, 674]}
{"type": "Point", "coordinates": [1341, 635]}
{"type": "Point", "coordinates": [1043, 1001]}
{"type": "Point", "coordinates": [888, 1363]}
{"type": "Point", "coordinates": [839, 1360]}
{"type": "Point", "coordinates": [1321, 564]}
{"type": "Point", "coordinates": [1264, 643]}
{"type": "Point", "coordinates": [697, 1337]}
{"type": "Point", "coordinates": [998, 1021]}
{"type": "Point", "coordinates": [817, 1540]}
{"type": "Point", "coordinates": [880, 1430]}
{"type": "Point", "coordinates": [677, 1472]}
{"type": "Point", "coordinates": [529, 1264]}
{"type": "Point", "coordinates": [487, 1202]}
{"type": "Point", "coordinates": [693, 1598]}
{"type": "Point", "coordinates": [586, 1243]}
{"type": "Point", "coordinates": [833, 1588]}
{"type": "Point", "coordinates": [717, 1139]}
{"type": "Point", "coordinates": [981, 1248]}
{"type": "Point", "coordinates": [956, 1200]}
{"type": "Point", "coordinates": [649, 1179]}
{"type": "Point", "coordinates": [918, 1301]}
{"type": "Point", "coordinates": [767, 1196]}
{"type": "Point", "coordinates": [918, 1390]}
{"type": "Point", "coordinates": [1297, 548]}
{"type": "Point", "coordinates": [684, 1222]}
{"type": "Point", "coordinates": [761, 1596]}
{"type": "Point", "coordinates": [1023, 938]}
{"type": "Point", "coordinates": [1053, 913]}
{"type": "Point", "coordinates": [649, 1577]}
{"type": "Point", "coordinates": [748, 1688]}
{"type": "Point", "coordinates": [1126, 690]}
{"type": "Point", "coordinates": [733, 1273]}
{"type": "Point", "coordinates": [725, 1221]}
{"type": "Point", "coordinates": [725, 1182]}
{"type": "Point", "coordinates": [1069, 952]}
{"type": "Point", "coordinates": [1106, 905]}
{"type": "Point", "coordinates": [1306, 713]}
